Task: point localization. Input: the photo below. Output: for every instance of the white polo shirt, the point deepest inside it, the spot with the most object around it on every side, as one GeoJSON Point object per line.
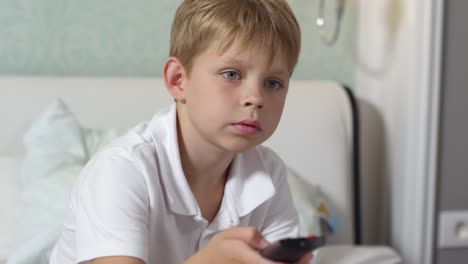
{"type": "Point", "coordinates": [132, 199]}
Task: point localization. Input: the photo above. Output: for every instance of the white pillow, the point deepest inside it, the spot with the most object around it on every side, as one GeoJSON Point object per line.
{"type": "Point", "coordinates": [57, 148]}
{"type": "Point", "coordinates": [314, 215]}
{"type": "Point", "coordinates": [10, 183]}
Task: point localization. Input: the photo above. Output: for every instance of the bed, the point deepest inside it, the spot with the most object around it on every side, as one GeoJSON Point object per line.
{"type": "Point", "coordinates": [316, 138]}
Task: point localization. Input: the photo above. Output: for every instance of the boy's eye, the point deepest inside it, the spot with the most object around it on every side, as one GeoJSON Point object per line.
{"type": "Point", "coordinates": [231, 75]}
{"type": "Point", "coordinates": [273, 84]}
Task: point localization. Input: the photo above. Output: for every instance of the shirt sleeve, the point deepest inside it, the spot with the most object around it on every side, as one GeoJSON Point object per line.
{"type": "Point", "coordinates": [112, 209]}
{"type": "Point", "coordinates": [282, 220]}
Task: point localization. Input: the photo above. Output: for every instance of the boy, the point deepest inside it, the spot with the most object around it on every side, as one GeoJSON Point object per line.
{"type": "Point", "coordinates": [193, 185]}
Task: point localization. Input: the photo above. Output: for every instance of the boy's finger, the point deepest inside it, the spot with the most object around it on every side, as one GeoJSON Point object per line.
{"type": "Point", "coordinates": [249, 235]}
{"type": "Point", "coordinates": [306, 259]}
{"type": "Point", "coordinates": [247, 255]}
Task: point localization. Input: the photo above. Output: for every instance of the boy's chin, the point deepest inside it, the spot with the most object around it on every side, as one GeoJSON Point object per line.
{"type": "Point", "coordinates": [240, 149]}
{"type": "Point", "coordinates": [242, 146]}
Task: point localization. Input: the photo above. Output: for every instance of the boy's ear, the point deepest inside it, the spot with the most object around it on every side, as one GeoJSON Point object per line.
{"type": "Point", "coordinates": [173, 75]}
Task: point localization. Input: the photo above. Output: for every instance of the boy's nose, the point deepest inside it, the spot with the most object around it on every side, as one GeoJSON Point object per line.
{"type": "Point", "coordinates": [253, 97]}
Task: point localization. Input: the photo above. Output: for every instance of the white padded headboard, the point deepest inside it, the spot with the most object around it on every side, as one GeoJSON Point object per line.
{"type": "Point", "coordinates": [314, 136]}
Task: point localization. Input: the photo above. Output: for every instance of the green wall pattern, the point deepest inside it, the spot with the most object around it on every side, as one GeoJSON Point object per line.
{"type": "Point", "coordinates": [131, 38]}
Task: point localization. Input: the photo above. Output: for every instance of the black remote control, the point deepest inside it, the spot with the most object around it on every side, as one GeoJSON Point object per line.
{"type": "Point", "coordinates": [292, 249]}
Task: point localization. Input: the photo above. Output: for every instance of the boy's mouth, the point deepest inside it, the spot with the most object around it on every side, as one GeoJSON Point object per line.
{"type": "Point", "coordinates": [247, 127]}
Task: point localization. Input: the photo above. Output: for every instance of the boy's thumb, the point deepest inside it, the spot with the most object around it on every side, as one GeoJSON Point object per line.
{"type": "Point", "coordinates": [249, 235]}
{"type": "Point", "coordinates": [262, 243]}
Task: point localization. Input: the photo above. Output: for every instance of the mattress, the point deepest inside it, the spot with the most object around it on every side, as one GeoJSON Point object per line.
{"type": "Point", "coordinates": [348, 254]}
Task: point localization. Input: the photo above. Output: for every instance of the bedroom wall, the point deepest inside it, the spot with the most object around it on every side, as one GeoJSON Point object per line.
{"type": "Point", "coordinates": [131, 38]}
{"type": "Point", "coordinates": [397, 75]}
{"type": "Point", "coordinates": [453, 156]}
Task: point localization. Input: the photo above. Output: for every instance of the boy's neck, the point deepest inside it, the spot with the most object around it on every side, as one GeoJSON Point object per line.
{"type": "Point", "coordinates": [204, 171]}
{"type": "Point", "coordinates": [205, 166]}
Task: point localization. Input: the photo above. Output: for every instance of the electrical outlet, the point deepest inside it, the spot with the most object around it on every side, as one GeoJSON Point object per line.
{"type": "Point", "coordinates": [453, 229]}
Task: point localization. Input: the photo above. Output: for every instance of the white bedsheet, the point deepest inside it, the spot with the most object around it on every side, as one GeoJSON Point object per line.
{"type": "Point", "coordinates": [345, 254]}
{"type": "Point", "coordinates": [351, 255]}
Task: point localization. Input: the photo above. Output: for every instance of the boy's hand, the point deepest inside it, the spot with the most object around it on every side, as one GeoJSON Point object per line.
{"type": "Point", "coordinates": [305, 259]}
{"type": "Point", "coordinates": [236, 245]}
{"type": "Point", "coordinates": [233, 245]}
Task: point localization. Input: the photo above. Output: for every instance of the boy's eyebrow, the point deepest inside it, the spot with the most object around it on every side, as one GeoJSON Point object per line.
{"type": "Point", "coordinates": [235, 61]}
{"type": "Point", "coordinates": [280, 72]}
{"type": "Point", "coordinates": [238, 61]}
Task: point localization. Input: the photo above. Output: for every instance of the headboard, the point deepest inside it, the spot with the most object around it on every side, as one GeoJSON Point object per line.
{"type": "Point", "coordinates": [314, 136]}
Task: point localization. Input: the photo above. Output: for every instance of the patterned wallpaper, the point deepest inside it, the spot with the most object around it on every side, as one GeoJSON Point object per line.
{"type": "Point", "coordinates": [131, 38]}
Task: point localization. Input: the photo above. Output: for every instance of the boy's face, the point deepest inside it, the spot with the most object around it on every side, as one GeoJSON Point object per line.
{"type": "Point", "coordinates": [234, 100]}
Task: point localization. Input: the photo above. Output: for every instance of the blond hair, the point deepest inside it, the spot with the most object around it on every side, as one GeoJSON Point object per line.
{"type": "Point", "coordinates": [269, 24]}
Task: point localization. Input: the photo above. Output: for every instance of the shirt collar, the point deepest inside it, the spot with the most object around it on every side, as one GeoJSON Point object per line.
{"type": "Point", "coordinates": [249, 183]}
{"type": "Point", "coordinates": [179, 197]}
